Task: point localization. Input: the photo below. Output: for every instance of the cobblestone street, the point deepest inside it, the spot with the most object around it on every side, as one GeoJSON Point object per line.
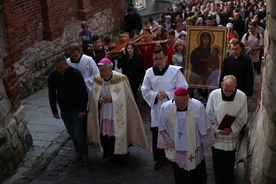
{"type": "Point", "coordinates": [48, 161]}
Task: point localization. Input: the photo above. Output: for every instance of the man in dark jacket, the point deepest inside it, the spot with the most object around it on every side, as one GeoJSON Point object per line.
{"type": "Point", "coordinates": [132, 20]}
{"type": "Point", "coordinates": [239, 25]}
{"type": "Point", "coordinates": [240, 66]}
{"type": "Point", "coordinates": [67, 90]}
{"type": "Point", "coordinates": [218, 17]}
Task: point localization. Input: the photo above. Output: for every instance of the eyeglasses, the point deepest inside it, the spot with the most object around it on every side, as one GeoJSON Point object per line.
{"type": "Point", "coordinates": [160, 58]}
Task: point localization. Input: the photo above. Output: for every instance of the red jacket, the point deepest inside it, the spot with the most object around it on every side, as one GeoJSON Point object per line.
{"type": "Point", "coordinates": [147, 52]}
{"type": "Point", "coordinates": [170, 52]}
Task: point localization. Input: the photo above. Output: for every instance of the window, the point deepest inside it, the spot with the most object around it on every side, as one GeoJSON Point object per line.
{"type": "Point", "coordinates": [140, 4]}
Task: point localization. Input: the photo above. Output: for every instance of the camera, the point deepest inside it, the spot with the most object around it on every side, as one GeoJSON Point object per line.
{"type": "Point", "coordinates": [248, 52]}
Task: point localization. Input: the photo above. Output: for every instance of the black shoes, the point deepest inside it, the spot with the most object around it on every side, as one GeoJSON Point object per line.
{"type": "Point", "coordinates": [85, 161]}
{"type": "Point", "coordinates": [159, 164]}
{"type": "Point", "coordinates": [119, 160]}
{"type": "Point", "coordinates": [84, 158]}
{"type": "Point", "coordinates": [76, 158]}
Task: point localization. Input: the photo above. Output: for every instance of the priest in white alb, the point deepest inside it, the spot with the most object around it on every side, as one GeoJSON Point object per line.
{"type": "Point", "coordinates": [159, 83]}
{"type": "Point", "coordinates": [184, 132]}
{"type": "Point", "coordinates": [114, 120]}
{"type": "Point", "coordinates": [84, 63]}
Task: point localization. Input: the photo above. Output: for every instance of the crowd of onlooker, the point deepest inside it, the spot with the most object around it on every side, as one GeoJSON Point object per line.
{"type": "Point", "coordinates": [235, 15]}
{"type": "Point", "coordinates": [245, 20]}
{"type": "Point", "coordinates": [195, 12]}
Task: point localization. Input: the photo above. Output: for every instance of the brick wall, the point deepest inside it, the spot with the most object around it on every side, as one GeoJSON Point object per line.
{"type": "Point", "coordinates": [34, 32]}
{"type": "Point", "coordinates": [23, 23]}
{"type": "Point", "coordinates": [56, 15]}
{"type": "Point", "coordinates": [30, 21]}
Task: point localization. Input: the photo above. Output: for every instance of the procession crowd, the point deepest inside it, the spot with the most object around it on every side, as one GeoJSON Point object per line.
{"type": "Point", "coordinates": [99, 105]}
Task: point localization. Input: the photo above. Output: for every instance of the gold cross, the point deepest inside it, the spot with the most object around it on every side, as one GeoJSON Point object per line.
{"type": "Point", "coordinates": [96, 89]}
{"type": "Point", "coordinates": [117, 90]}
{"type": "Point", "coordinates": [191, 158]}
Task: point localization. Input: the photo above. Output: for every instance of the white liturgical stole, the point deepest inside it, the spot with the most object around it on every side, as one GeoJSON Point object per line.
{"type": "Point", "coordinates": [177, 123]}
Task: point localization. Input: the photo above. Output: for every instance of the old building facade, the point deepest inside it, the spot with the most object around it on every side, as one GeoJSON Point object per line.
{"type": "Point", "coordinates": [32, 32]}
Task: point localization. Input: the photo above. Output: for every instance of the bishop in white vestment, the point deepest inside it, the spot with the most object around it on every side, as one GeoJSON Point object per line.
{"type": "Point", "coordinates": [114, 120]}
{"type": "Point", "coordinates": [184, 132]}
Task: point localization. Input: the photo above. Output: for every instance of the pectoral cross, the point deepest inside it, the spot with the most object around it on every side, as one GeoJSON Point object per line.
{"type": "Point", "coordinates": [191, 158]}
{"type": "Point", "coordinates": [180, 133]}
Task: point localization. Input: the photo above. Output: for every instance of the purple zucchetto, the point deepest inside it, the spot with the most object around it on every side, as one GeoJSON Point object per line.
{"type": "Point", "coordinates": [105, 61]}
{"type": "Point", "coordinates": [180, 91]}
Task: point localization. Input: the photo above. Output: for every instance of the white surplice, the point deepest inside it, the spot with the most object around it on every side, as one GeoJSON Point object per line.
{"type": "Point", "coordinates": [88, 69]}
{"type": "Point", "coordinates": [152, 84]}
{"type": "Point", "coordinates": [216, 109]}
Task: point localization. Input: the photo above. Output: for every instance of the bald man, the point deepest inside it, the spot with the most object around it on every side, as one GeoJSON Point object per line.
{"type": "Point", "coordinates": [221, 102]}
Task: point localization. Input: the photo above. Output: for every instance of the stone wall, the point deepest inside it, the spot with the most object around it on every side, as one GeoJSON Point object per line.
{"type": "Point", "coordinates": [262, 146]}
{"type": "Point", "coordinates": [32, 33]}
{"type": "Point", "coordinates": [36, 62]}
{"type": "Point", "coordinates": [15, 140]}
{"type": "Point", "coordinates": [32, 42]}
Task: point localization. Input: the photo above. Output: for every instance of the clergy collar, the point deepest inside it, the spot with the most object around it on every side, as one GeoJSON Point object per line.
{"type": "Point", "coordinates": [156, 70]}
{"type": "Point", "coordinates": [179, 109]}
{"type": "Point", "coordinates": [228, 98]}
{"type": "Point", "coordinates": [237, 56]}
{"type": "Point", "coordinates": [76, 61]}
{"type": "Point", "coordinates": [183, 109]}
{"type": "Point", "coordinates": [108, 79]}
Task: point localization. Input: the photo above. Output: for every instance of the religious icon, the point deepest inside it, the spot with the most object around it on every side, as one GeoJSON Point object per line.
{"type": "Point", "coordinates": [206, 49]}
